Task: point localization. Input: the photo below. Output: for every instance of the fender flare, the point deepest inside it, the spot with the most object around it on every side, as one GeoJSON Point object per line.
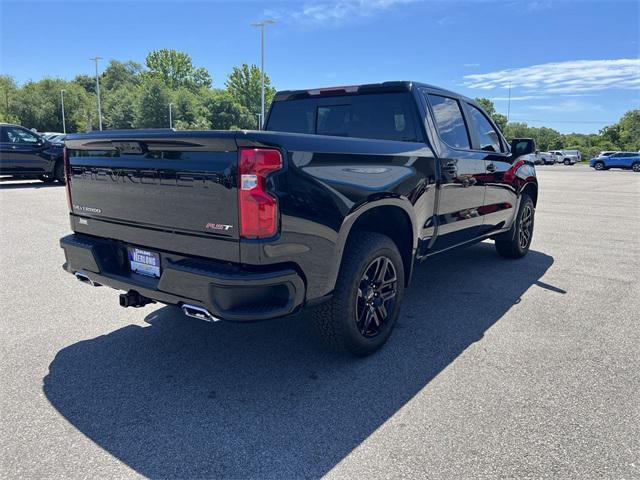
{"type": "Point", "coordinates": [352, 217]}
{"type": "Point", "coordinates": [526, 185]}
{"type": "Point", "coordinates": [509, 234]}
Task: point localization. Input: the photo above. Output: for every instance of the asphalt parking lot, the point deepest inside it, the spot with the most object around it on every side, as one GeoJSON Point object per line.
{"type": "Point", "coordinates": [498, 368]}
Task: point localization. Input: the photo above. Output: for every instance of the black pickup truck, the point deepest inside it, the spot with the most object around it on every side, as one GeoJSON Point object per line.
{"type": "Point", "coordinates": [330, 207]}
{"type": "Point", "coordinates": [25, 154]}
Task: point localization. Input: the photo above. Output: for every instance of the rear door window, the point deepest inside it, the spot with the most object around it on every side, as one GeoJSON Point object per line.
{"type": "Point", "coordinates": [486, 134]}
{"type": "Point", "coordinates": [449, 121]}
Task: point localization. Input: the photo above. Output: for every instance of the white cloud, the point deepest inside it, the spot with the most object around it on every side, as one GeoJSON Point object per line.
{"type": "Point", "coordinates": [333, 12]}
{"type": "Point", "coordinates": [538, 6]}
{"type": "Point", "coordinates": [469, 65]}
{"type": "Point", "coordinates": [444, 21]}
{"type": "Point", "coordinates": [564, 77]}
{"type": "Point", "coordinates": [518, 98]}
{"type": "Point", "coordinates": [568, 106]}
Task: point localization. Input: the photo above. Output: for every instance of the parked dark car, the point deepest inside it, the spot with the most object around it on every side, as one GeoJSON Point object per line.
{"type": "Point", "coordinates": [625, 160]}
{"type": "Point", "coordinates": [25, 154]}
{"type": "Point", "coordinates": [329, 208]}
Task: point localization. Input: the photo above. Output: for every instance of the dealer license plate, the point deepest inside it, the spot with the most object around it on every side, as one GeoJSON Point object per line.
{"type": "Point", "coordinates": [144, 262]}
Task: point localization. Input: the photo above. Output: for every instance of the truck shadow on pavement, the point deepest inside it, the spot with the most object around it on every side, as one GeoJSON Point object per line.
{"type": "Point", "coordinates": [185, 399]}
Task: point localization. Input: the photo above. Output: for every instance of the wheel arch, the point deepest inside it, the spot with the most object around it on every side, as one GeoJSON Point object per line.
{"type": "Point", "coordinates": [530, 189]}
{"type": "Point", "coordinates": [393, 217]}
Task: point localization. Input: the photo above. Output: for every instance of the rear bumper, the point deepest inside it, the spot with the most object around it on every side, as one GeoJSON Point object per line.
{"type": "Point", "coordinates": [228, 291]}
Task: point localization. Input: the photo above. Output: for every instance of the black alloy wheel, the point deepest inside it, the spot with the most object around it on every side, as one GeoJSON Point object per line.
{"type": "Point", "coordinates": [376, 296]}
{"type": "Point", "coordinates": [525, 229]}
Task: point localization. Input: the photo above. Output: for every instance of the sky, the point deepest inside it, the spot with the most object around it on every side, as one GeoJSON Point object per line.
{"type": "Point", "coordinates": [571, 65]}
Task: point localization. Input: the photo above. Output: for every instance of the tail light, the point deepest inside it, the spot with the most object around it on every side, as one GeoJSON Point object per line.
{"type": "Point", "coordinates": [67, 176]}
{"type": "Point", "coordinates": [258, 209]}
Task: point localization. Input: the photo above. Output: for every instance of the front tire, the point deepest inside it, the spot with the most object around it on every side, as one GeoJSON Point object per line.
{"type": "Point", "coordinates": [598, 165]}
{"type": "Point", "coordinates": [567, 162]}
{"type": "Point", "coordinates": [365, 304]}
{"type": "Point", "coordinates": [517, 241]}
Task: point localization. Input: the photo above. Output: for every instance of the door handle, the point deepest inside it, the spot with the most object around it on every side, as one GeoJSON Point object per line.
{"type": "Point", "coordinates": [13, 147]}
{"type": "Point", "coordinates": [450, 167]}
{"type": "Point", "coordinates": [491, 168]}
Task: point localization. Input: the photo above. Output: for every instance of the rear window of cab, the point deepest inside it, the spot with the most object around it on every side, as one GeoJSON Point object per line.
{"type": "Point", "coordinates": [387, 116]}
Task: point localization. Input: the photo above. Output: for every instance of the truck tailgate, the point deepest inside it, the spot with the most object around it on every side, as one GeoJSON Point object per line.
{"type": "Point", "coordinates": [183, 184]}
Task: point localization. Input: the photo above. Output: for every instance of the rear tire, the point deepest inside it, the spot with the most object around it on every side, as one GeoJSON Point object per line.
{"type": "Point", "coordinates": [516, 242]}
{"type": "Point", "coordinates": [366, 300]}
{"type": "Point", "coordinates": [636, 167]}
{"type": "Point", "coordinates": [58, 172]}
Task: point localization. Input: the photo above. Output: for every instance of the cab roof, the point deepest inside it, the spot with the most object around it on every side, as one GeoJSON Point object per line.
{"type": "Point", "coordinates": [383, 87]}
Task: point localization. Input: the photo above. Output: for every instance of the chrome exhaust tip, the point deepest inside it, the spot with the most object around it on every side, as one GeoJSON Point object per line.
{"type": "Point", "coordinates": [200, 313]}
{"type": "Point", "coordinates": [85, 279]}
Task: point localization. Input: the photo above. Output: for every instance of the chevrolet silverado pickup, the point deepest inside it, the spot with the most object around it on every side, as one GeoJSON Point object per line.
{"type": "Point", "coordinates": [329, 208]}
{"type": "Point", "coordinates": [25, 154]}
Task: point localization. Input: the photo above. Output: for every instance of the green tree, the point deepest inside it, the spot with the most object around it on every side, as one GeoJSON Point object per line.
{"type": "Point", "coordinates": [517, 130]}
{"type": "Point", "coordinates": [120, 74]}
{"type": "Point", "coordinates": [38, 105]}
{"type": "Point", "coordinates": [187, 110]}
{"type": "Point", "coordinates": [611, 133]}
{"type": "Point", "coordinates": [630, 130]}
{"type": "Point", "coordinates": [223, 112]}
{"type": "Point", "coordinates": [120, 106]}
{"type": "Point", "coordinates": [8, 92]}
{"type": "Point", "coordinates": [175, 69]}
{"type": "Point", "coordinates": [87, 82]}
{"type": "Point", "coordinates": [245, 86]}
{"type": "Point", "coordinates": [548, 139]}
{"type": "Point", "coordinates": [488, 106]}
{"type": "Point", "coordinates": [153, 110]}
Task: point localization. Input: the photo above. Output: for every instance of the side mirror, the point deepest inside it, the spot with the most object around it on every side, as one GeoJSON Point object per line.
{"type": "Point", "coordinates": [522, 146]}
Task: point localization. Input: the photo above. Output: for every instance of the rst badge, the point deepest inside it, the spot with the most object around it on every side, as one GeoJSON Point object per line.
{"type": "Point", "coordinates": [218, 226]}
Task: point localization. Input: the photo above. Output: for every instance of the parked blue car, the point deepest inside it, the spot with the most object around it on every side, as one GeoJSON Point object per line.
{"type": "Point", "coordinates": [627, 160]}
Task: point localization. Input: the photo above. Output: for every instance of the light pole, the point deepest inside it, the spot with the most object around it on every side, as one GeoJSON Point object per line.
{"type": "Point", "coordinates": [170, 119]}
{"type": "Point", "coordinates": [95, 59]}
{"type": "Point", "coordinates": [64, 125]}
{"type": "Point", "coordinates": [259, 115]}
{"type": "Point", "coordinates": [509, 104]}
{"type": "Point", "coordinates": [262, 24]}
